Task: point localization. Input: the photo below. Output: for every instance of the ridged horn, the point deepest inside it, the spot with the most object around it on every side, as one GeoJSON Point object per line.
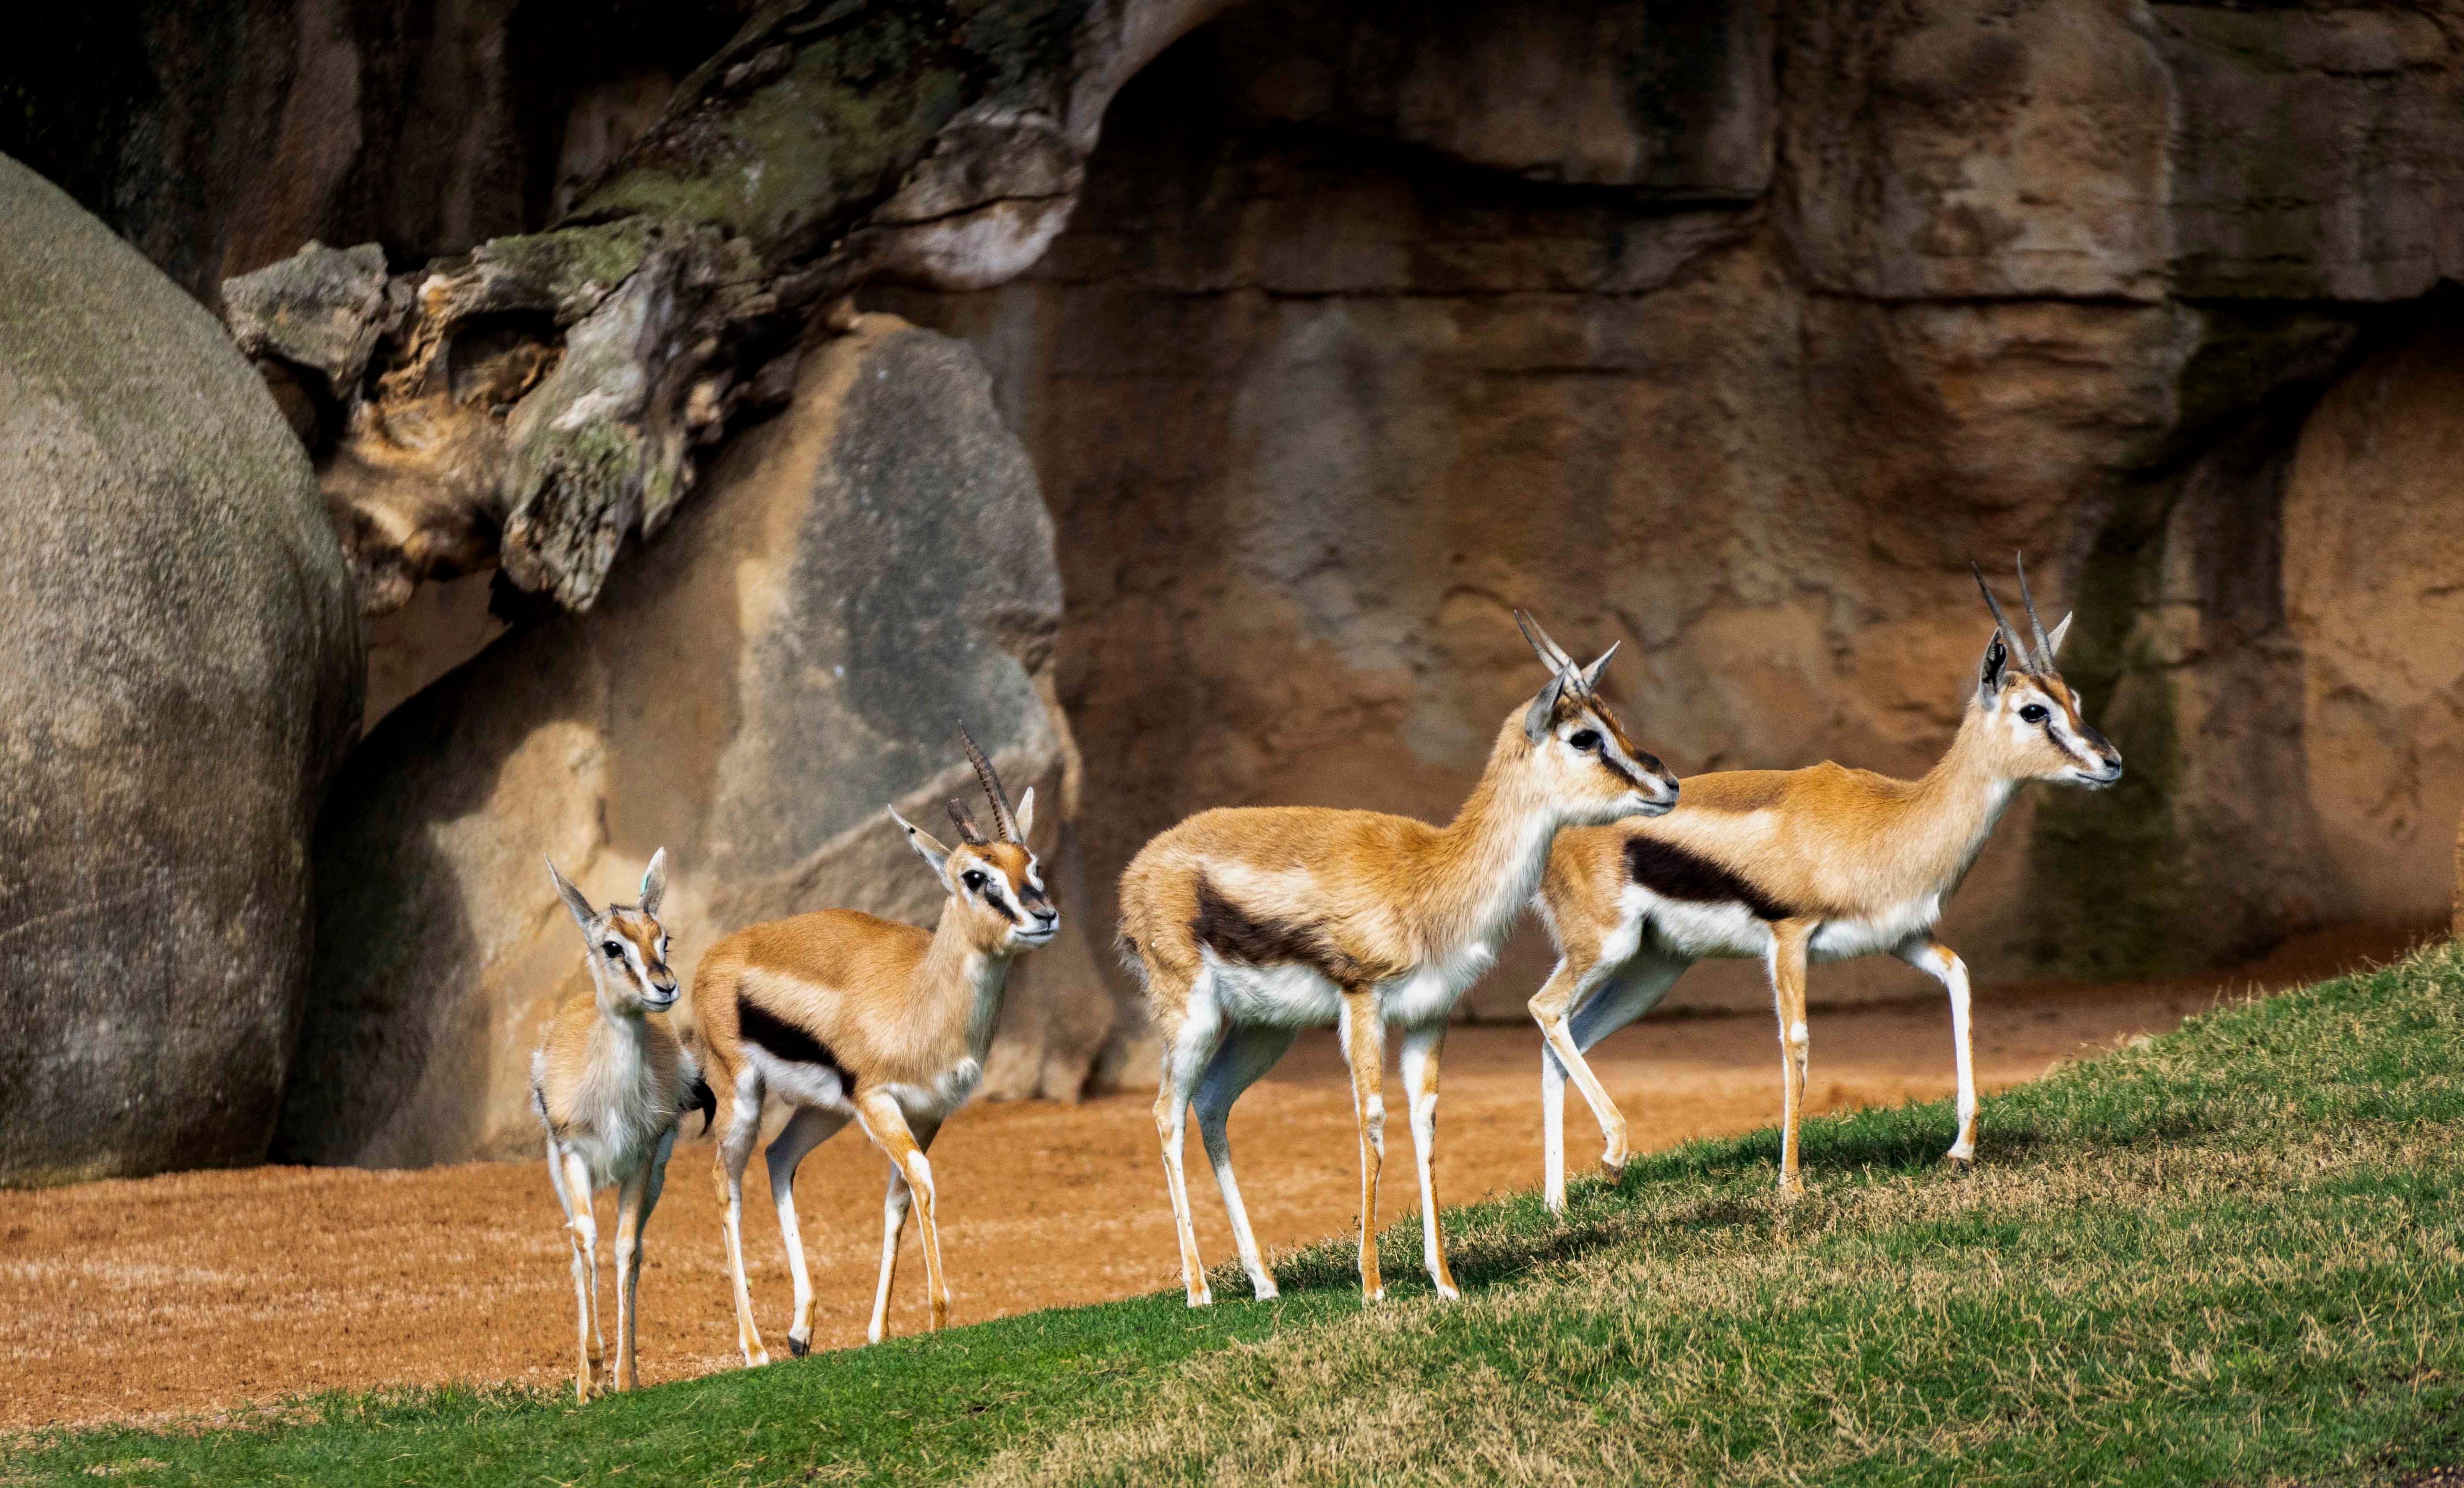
{"type": "Point", "coordinates": [2044, 661]}
{"type": "Point", "coordinates": [1552, 654]}
{"type": "Point", "coordinates": [965, 821]}
{"type": "Point", "coordinates": [2009, 636]}
{"type": "Point", "coordinates": [1002, 816]}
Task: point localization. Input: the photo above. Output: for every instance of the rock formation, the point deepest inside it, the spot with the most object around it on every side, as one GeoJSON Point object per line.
{"type": "Point", "coordinates": [535, 402]}
{"type": "Point", "coordinates": [1737, 331]}
{"type": "Point", "coordinates": [750, 691]}
{"type": "Point", "coordinates": [179, 671]}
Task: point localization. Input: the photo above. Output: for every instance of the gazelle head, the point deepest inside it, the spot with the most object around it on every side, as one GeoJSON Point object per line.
{"type": "Point", "coordinates": [1579, 749]}
{"type": "Point", "coordinates": [995, 882]}
{"type": "Point", "coordinates": [2034, 722]}
{"type": "Point", "coordinates": [629, 945]}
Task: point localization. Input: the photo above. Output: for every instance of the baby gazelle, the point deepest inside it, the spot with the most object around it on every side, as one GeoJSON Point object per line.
{"type": "Point", "coordinates": [1791, 866]}
{"type": "Point", "coordinates": [846, 1017]}
{"type": "Point", "coordinates": [609, 1081]}
{"type": "Point", "coordinates": [1250, 924]}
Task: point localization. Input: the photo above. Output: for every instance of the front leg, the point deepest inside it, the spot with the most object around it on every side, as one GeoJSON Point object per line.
{"type": "Point", "coordinates": [1577, 975]}
{"type": "Point", "coordinates": [1941, 963]}
{"type": "Point", "coordinates": [583, 1226]}
{"type": "Point", "coordinates": [1364, 1049]}
{"type": "Point", "coordinates": [1790, 939]}
{"type": "Point", "coordinates": [893, 1223]}
{"type": "Point", "coordinates": [634, 1201]}
{"type": "Point", "coordinates": [1419, 1059]}
{"type": "Point", "coordinates": [885, 1122]}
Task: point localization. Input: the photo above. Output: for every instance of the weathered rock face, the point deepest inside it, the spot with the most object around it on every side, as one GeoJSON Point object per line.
{"type": "Point", "coordinates": [179, 670]}
{"type": "Point", "coordinates": [1333, 368]}
{"type": "Point", "coordinates": [793, 651]}
{"type": "Point", "coordinates": [220, 134]}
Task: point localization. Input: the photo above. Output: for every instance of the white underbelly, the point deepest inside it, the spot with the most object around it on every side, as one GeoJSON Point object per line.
{"type": "Point", "coordinates": [798, 1083]}
{"type": "Point", "coordinates": [1291, 996]}
{"type": "Point", "coordinates": [1876, 935]}
{"type": "Point", "coordinates": [1700, 931]}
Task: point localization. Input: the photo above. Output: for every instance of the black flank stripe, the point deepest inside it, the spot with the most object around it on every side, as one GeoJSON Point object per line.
{"type": "Point", "coordinates": [1237, 935]}
{"type": "Point", "coordinates": [1671, 872]}
{"type": "Point", "coordinates": [780, 1039]}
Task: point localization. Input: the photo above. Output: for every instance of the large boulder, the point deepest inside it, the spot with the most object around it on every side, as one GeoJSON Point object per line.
{"type": "Point", "coordinates": [178, 668]}
{"type": "Point", "coordinates": [789, 655]}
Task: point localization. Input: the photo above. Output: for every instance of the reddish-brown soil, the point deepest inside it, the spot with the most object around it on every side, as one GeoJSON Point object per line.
{"type": "Point", "coordinates": [201, 1291]}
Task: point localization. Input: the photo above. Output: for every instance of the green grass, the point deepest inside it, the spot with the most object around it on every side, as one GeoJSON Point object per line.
{"type": "Point", "coordinates": [2230, 1257]}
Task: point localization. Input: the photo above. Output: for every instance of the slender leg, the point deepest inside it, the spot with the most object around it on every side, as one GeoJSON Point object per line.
{"type": "Point", "coordinates": [1636, 989]}
{"type": "Point", "coordinates": [1569, 985]}
{"type": "Point", "coordinates": [893, 1223]}
{"type": "Point", "coordinates": [1189, 1043]}
{"type": "Point", "coordinates": [582, 1372]}
{"type": "Point", "coordinates": [585, 1271]}
{"type": "Point", "coordinates": [727, 1173]}
{"type": "Point", "coordinates": [1941, 963]}
{"type": "Point", "coordinates": [886, 1123]}
{"type": "Point", "coordinates": [1246, 1054]}
{"type": "Point", "coordinates": [1364, 1048]}
{"type": "Point", "coordinates": [628, 1235]}
{"type": "Point", "coordinates": [631, 1221]}
{"type": "Point", "coordinates": [1788, 940]}
{"type": "Point", "coordinates": [1420, 1062]}
{"type": "Point", "coordinates": [808, 1128]}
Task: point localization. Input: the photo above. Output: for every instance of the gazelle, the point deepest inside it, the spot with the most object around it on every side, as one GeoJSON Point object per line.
{"type": "Point", "coordinates": [849, 1017]}
{"type": "Point", "coordinates": [1791, 866]}
{"type": "Point", "coordinates": [609, 1081]}
{"type": "Point", "coordinates": [1249, 924]}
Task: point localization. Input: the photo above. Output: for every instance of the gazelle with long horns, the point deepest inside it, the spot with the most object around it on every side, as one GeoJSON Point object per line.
{"type": "Point", "coordinates": [609, 1081]}
{"type": "Point", "coordinates": [1250, 924]}
{"type": "Point", "coordinates": [846, 1017]}
{"type": "Point", "coordinates": [1797, 866]}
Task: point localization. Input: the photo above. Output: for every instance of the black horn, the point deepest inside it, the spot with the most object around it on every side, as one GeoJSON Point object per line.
{"type": "Point", "coordinates": [1002, 816]}
{"type": "Point", "coordinates": [2009, 636]}
{"type": "Point", "coordinates": [2044, 661]}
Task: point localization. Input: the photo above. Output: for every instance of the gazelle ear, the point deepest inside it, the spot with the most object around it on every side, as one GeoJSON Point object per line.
{"type": "Point", "coordinates": [1544, 709]}
{"type": "Point", "coordinates": [1592, 673]}
{"type": "Point", "coordinates": [926, 846]}
{"type": "Point", "coordinates": [654, 883]}
{"type": "Point", "coordinates": [1025, 814]}
{"type": "Point", "coordinates": [580, 907]}
{"type": "Point", "coordinates": [2054, 646]}
{"type": "Point", "coordinates": [1997, 658]}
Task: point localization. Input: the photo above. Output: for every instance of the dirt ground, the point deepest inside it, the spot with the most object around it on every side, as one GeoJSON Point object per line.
{"type": "Point", "coordinates": [195, 1292]}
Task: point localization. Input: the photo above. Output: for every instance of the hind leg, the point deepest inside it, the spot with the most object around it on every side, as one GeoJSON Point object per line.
{"type": "Point", "coordinates": [1419, 1062]}
{"type": "Point", "coordinates": [1244, 1054]}
{"type": "Point", "coordinates": [808, 1128]}
{"type": "Point", "coordinates": [1190, 1036]}
{"type": "Point", "coordinates": [727, 1174]}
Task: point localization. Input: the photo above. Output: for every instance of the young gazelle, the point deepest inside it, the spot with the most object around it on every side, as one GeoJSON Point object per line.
{"type": "Point", "coordinates": [1791, 866]}
{"type": "Point", "coordinates": [849, 1017]}
{"type": "Point", "coordinates": [609, 1081]}
{"type": "Point", "coordinates": [1250, 924]}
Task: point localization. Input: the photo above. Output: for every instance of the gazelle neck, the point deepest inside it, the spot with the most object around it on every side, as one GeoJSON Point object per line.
{"type": "Point", "coordinates": [1486, 862]}
{"type": "Point", "coordinates": [964, 978]}
{"type": "Point", "coordinates": [1958, 802]}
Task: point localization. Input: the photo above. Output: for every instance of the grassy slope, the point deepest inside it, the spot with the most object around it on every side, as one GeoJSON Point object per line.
{"type": "Point", "coordinates": [2232, 1256]}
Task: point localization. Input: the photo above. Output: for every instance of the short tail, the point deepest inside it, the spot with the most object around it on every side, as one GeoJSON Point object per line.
{"type": "Point", "coordinates": [699, 1097]}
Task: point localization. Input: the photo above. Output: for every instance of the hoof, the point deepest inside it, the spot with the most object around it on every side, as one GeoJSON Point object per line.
{"type": "Point", "coordinates": [1615, 1159]}
{"type": "Point", "coordinates": [1373, 1295]}
{"type": "Point", "coordinates": [760, 1358]}
{"type": "Point", "coordinates": [1267, 1293]}
{"type": "Point", "coordinates": [799, 1346]}
{"type": "Point", "coordinates": [1202, 1298]}
{"type": "Point", "coordinates": [1447, 1293]}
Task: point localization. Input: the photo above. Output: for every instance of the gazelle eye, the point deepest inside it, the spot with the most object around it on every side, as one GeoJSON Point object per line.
{"type": "Point", "coordinates": [1584, 739]}
{"type": "Point", "coordinates": [2034, 713]}
{"type": "Point", "coordinates": [615, 952]}
{"type": "Point", "coordinates": [974, 881]}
